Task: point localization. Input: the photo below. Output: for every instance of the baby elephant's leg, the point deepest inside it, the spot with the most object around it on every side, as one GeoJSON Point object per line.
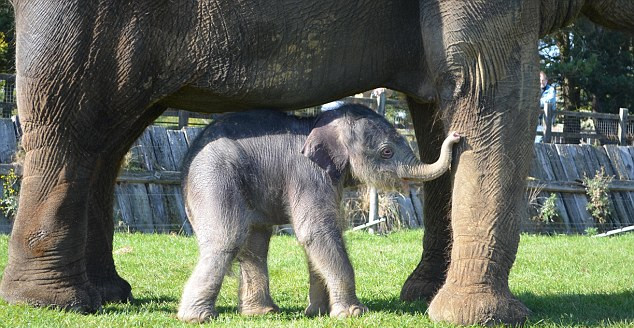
{"type": "Point", "coordinates": [324, 246]}
{"type": "Point", "coordinates": [221, 226]}
{"type": "Point", "coordinates": [318, 298]}
{"type": "Point", "coordinates": [201, 291]}
{"type": "Point", "coordinates": [255, 297]}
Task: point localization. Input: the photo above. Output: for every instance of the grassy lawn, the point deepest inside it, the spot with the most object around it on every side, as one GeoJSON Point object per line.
{"type": "Point", "coordinates": [566, 281]}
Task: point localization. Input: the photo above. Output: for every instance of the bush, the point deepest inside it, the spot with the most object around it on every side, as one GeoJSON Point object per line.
{"type": "Point", "coordinates": [548, 212]}
{"type": "Point", "coordinates": [598, 205]}
{"type": "Point", "coordinates": [10, 194]}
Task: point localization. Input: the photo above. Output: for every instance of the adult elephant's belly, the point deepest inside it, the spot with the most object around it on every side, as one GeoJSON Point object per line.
{"type": "Point", "coordinates": [275, 84]}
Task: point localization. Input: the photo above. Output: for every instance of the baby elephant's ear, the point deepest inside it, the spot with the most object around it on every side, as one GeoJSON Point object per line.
{"type": "Point", "coordinates": [324, 147]}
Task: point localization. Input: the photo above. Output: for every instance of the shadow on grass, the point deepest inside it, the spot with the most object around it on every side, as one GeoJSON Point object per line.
{"type": "Point", "coordinates": [395, 305]}
{"type": "Point", "coordinates": [580, 309]}
{"type": "Point", "coordinates": [156, 303]}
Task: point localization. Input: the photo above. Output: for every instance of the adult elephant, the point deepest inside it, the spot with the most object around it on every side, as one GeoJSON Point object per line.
{"type": "Point", "coordinates": [92, 75]}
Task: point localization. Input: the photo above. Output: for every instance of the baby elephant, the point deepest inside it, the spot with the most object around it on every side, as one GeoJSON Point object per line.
{"type": "Point", "coordinates": [251, 170]}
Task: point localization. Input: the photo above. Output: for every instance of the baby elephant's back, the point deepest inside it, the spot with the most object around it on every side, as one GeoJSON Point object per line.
{"type": "Point", "coordinates": [255, 151]}
{"type": "Point", "coordinates": [256, 132]}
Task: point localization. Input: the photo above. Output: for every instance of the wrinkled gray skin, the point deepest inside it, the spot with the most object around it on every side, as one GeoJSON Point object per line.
{"type": "Point", "coordinates": [91, 75]}
{"type": "Point", "coordinates": [249, 171]}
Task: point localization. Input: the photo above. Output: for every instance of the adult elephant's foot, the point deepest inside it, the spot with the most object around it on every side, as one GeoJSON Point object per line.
{"type": "Point", "coordinates": [19, 288]}
{"type": "Point", "coordinates": [259, 309]}
{"type": "Point", "coordinates": [464, 306]}
{"type": "Point", "coordinates": [340, 310]}
{"type": "Point", "coordinates": [416, 288]}
{"type": "Point", "coordinates": [113, 289]}
{"type": "Point", "coordinates": [196, 314]}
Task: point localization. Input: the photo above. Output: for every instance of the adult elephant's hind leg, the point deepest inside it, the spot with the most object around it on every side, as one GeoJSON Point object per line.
{"type": "Point", "coordinates": [100, 265]}
{"type": "Point", "coordinates": [430, 273]}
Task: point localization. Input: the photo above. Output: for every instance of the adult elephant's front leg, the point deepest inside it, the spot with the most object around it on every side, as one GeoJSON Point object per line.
{"type": "Point", "coordinates": [429, 275]}
{"type": "Point", "coordinates": [46, 264]}
{"type": "Point", "coordinates": [485, 222]}
{"type": "Point", "coordinates": [488, 91]}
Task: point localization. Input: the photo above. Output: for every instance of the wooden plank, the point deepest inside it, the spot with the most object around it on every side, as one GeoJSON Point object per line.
{"type": "Point", "coordinates": [629, 154]}
{"type": "Point", "coordinates": [542, 153]}
{"type": "Point", "coordinates": [569, 206]}
{"type": "Point", "coordinates": [536, 170]}
{"type": "Point", "coordinates": [159, 177]}
{"type": "Point", "coordinates": [191, 133]}
{"type": "Point", "coordinates": [581, 161]}
{"type": "Point", "coordinates": [614, 232]}
{"type": "Point", "coordinates": [620, 171]}
{"type": "Point", "coordinates": [546, 167]}
{"type": "Point", "coordinates": [144, 149]}
{"type": "Point", "coordinates": [627, 173]}
{"type": "Point", "coordinates": [577, 203]}
{"type": "Point", "coordinates": [8, 142]}
{"type": "Point", "coordinates": [160, 219]}
{"type": "Point", "coordinates": [622, 163]}
{"type": "Point", "coordinates": [406, 211]}
{"type": "Point", "coordinates": [175, 209]}
{"type": "Point", "coordinates": [417, 202]}
{"type": "Point", "coordinates": [178, 146]}
{"type": "Point", "coordinates": [137, 203]}
{"type": "Point", "coordinates": [162, 150]}
{"type": "Point", "coordinates": [573, 175]}
{"type": "Point", "coordinates": [610, 170]}
{"type": "Point", "coordinates": [588, 115]}
{"type": "Point", "coordinates": [123, 200]}
{"type": "Point", "coordinates": [575, 187]}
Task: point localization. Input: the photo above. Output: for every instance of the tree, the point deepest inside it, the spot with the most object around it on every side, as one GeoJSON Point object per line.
{"type": "Point", "coordinates": [7, 37]}
{"type": "Point", "coordinates": [594, 67]}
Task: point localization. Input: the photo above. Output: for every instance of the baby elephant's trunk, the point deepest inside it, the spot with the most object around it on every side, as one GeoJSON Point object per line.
{"type": "Point", "coordinates": [420, 171]}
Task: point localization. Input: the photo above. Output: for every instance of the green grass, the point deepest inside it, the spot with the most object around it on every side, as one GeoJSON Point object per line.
{"type": "Point", "coordinates": [566, 281]}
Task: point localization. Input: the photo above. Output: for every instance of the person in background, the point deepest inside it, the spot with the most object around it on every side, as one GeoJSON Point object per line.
{"type": "Point", "coordinates": [548, 91]}
{"type": "Point", "coordinates": [548, 96]}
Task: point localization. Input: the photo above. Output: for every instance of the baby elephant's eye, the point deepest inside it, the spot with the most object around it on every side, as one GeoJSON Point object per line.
{"type": "Point", "coordinates": [387, 153]}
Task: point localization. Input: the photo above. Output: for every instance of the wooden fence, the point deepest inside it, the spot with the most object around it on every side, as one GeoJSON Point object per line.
{"type": "Point", "coordinates": [586, 127]}
{"type": "Point", "coordinates": [560, 169]}
{"type": "Point", "coordinates": [148, 196]}
{"type": "Point", "coordinates": [7, 94]}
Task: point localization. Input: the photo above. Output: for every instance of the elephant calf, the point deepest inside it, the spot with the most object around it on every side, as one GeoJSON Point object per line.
{"type": "Point", "coordinates": [251, 170]}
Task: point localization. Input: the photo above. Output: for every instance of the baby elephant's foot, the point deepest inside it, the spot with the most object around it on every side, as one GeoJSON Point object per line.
{"type": "Point", "coordinates": [259, 310]}
{"type": "Point", "coordinates": [315, 309]}
{"type": "Point", "coordinates": [197, 314]}
{"type": "Point", "coordinates": [344, 310]}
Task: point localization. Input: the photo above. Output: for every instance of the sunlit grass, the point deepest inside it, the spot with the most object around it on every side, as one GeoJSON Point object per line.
{"type": "Point", "coordinates": [566, 281]}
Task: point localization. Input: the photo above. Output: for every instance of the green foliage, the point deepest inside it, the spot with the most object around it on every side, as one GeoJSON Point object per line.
{"type": "Point", "coordinates": [591, 231]}
{"type": "Point", "coordinates": [10, 194]}
{"type": "Point", "coordinates": [598, 199]}
{"type": "Point", "coordinates": [7, 39]}
{"type": "Point", "coordinates": [548, 212]}
{"type": "Point", "coordinates": [593, 66]}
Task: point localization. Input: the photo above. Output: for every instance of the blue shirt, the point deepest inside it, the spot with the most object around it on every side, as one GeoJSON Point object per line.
{"type": "Point", "coordinates": [548, 96]}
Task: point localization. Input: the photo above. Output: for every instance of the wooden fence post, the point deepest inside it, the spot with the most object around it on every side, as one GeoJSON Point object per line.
{"type": "Point", "coordinates": [374, 197]}
{"type": "Point", "coordinates": [380, 104]}
{"type": "Point", "coordinates": [548, 127]}
{"type": "Point", "coordinates": [622, 132]}
{"type": "Point", "coordinates": [183, 118]}
{"type": "Point", "coordinates": [373, 216]}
